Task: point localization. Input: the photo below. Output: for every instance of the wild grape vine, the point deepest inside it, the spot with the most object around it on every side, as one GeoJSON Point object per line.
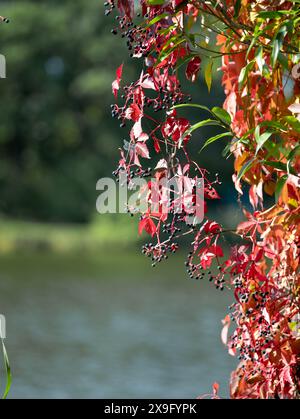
{"type": "Point", "coordinates": [259, 45]}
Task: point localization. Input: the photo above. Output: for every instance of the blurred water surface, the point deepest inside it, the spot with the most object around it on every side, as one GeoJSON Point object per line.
{"type": "Point", "coordinates": [110, 326]}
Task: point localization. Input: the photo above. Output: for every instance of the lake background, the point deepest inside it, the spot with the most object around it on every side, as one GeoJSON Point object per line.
{"type": "Point", "coordinates": [110, 326]}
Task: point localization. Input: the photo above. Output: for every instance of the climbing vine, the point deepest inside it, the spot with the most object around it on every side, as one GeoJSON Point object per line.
{"type": "Point", "coordinates": [258, 42]}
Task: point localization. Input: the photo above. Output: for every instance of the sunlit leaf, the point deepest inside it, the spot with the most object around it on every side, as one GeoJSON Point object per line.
{"type": "Point", "coordinates": [294, 153]}
{"type": "Point", "coordinates": [157, 19]}
{"type": "Point", "coordinates": [216, 138]}
{"type": "Point", "coordinates": [155, 2]}
{"type": "Point", "coordinates": [247, 166]}
{"type": "Point", "coordinates": [261, 139]}
{"type": "Point", "coordinates": [279, 186]}
{"type": "Point", "coordinates": [221, 114]}
{"type": "Point", "coordinates": [8, 371]}
{"type": "Point", "coordinates": [244, 73]}
{"type": "Point", "coordinates": [237, 7]}
{"type": "Point", "coordinates": [259, 59]}
{"type": "Point", "coordinates": [205, 123]}
{"type": "Point", "coordinates": [208, 74]}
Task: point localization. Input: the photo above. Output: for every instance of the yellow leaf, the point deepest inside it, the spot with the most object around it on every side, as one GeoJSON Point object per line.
{"type": "Point", "coordinates": [293, 203]}
{"type": "Point", "coordinates": [239, 161]}
{"type": "Point", "coordinates": [270, 187]}
{"type": "Point", "coordinates": [208, 74]}
{"type": "Point", "coordinates": [253, 16]}
{"type": "Point", "coordinates": [293, 326]}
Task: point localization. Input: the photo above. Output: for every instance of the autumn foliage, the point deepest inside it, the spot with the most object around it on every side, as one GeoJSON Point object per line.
{"type": "Point", "coordinates": [260, 120]}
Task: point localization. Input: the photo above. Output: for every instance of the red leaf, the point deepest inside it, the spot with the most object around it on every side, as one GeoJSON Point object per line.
{"type": "Point", "coordinates": [211, 193]}
{"type": "Point", "coordinates": [216, 250]}
{"type": "Point", "coordinates": [119, 72]}
{"type": "Point", "coordinates": [142, 150]}
{"type": "Point", "coordinates": [126, 7]}
{"type": "Point", "coordinates": [156, 144]}
{"type": "Point", "coordinates": [175, 128]}
{"type": "Point", "coordinates": [212, 227]}
{"type": "Point", "coordinates": [230, 104]}
{"type": "Point", "coordinates": [246, 226]}
{"type": "Point", "coordinates": [216, 387]}
{"type": "Point", "coordinates": [148, 225]}
{"type": "Point", "coordinates": [133, 112]}
{"type": "Point", "coordinates": [136, 130]}
{"type": "Point", "coordinates": [193, 69]}
{"type": "Point", "coordinates": [253, 196]}
{"type": "Point", "coordinates": [116, 83]}
{"type": "Point", "coordinates": [148, 83]}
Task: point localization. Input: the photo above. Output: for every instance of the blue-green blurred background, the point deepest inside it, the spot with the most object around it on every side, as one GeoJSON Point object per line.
{"type": "Point", "coordinates": [86, 315]}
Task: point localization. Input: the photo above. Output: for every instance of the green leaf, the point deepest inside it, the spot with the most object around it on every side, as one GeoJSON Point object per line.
{"type": "Point", "coordinates": [155, 2]}
{"type": "Point", "coordinates": [261, 139]}
{"type": "Point", "coordinates": [205, 123]}
{"type": "Point", "coordinates": [157, 19]}
{"type": "Point", "coordinates": [244, 73]}
{"type": "Point", "coordinates": [273, 150]}
{"type": "Point", "coordinates": [167, 30]}
{"type": "Point", "coordinates": [208, 74]}
{"type": "Point", "coordinates": [294, 153]}
{"type": "Point", "coordinates": [166, 52]}
{"type": "Point", "coordinates": [293, 122]}
{"type": "Point", "coordinates": [253, 42]}
{"type": "Point", "coordinates": [237, 7]}
{"type": "Point", "coordinates": [276, 164]}
{"type": "Point", "coordinates": [8, 372]}
{"type": "Point", "coordinates": [260, 59]}
{"type": "Point", "coordinates": [222, 115]}
{"type": "Point", "coordinates": [279, 186]}
{"type": "Point", "coordinates": [173, 39]}
{"type": "Point", "coordinates": [247, 166]}
{"type": "Point", "coordinates": [283, 60]}
{"type": "Point", "coordinates": [275, 52]}
{"type": "Point", "coordinates": [215, 138]}
{"type": "Point", "coordinates": [227, 149]}
{"type": "Point", "coordinates": [274, 124]}
{"type": "Point", "coordinates": [257, 133]}
{"type": "Point", "coordinates": [273, 15]}
{"type": "Point", "coordinates": [277, 44]}
{"type": "Point", "coordinates": [192, 38]}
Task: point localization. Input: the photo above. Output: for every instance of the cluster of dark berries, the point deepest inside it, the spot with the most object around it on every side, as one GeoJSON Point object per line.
{"type": "Point", "coordinates": [4, 19]}
{"type": "Point", "coordinates": [109, 7]}
{"type": "Point", "coordinates": [196, 271]}
{"type": "Point", "coordinates": [171, 229]}
{"type": "Point", "coordinates": [167, 99]}
{"type": "Point", "coordinates": [159, 252]}
{"type": "Point", "coordinates": [131, 172]}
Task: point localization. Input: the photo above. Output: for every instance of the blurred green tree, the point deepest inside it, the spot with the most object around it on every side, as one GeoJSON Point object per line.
{"type": "Point", "coordinates": [56, 134]}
